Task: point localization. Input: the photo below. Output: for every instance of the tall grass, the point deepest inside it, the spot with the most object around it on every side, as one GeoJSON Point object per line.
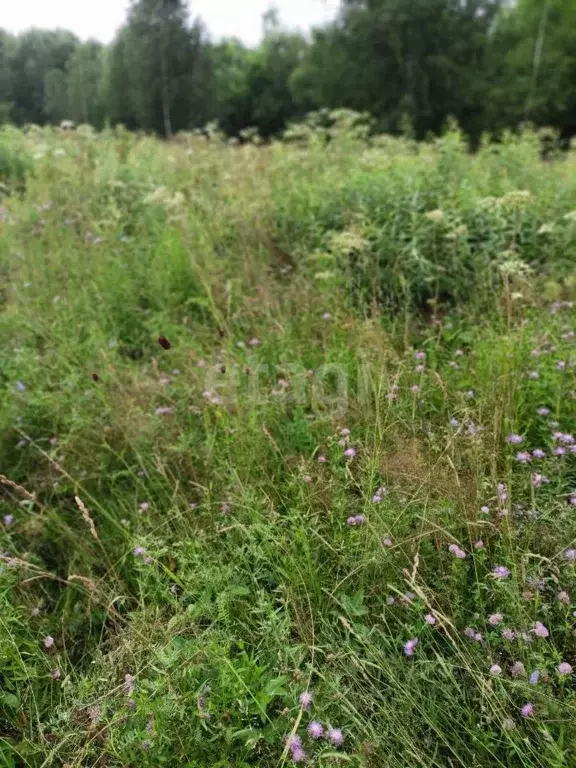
{"type": "Point", "coordinates": [312, 474]}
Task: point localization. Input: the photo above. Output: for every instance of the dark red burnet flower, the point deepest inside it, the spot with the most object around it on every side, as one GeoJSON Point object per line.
{"type": "Point", "coordinates": [164, 343]}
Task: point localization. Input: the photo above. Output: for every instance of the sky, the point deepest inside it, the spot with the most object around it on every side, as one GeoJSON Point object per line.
{"type": "Point", "coordinates": [100, 19]}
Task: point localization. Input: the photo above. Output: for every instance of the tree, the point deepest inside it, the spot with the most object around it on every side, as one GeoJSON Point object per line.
{"type": "Point", "coordinates": [161, 52]}
{"type": "Point", "coordinates": [38, 54]}
{"type": "Point", "coordinates": [7, 49]}
{"type": "Point", "coordinates": [84, 84]}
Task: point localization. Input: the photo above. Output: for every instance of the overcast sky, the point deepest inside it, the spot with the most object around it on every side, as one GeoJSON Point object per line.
{"type": "Point", "coordinates": [100, 19]}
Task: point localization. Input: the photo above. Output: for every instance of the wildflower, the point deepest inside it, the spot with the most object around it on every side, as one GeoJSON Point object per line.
{"type": "Point", "coordinates": [48, 642]}
{"type": "Point", "coordinates": [326, 316]}
{"type": "Point", "coordinates": [564, 597]}
{"type": "Point", "coordinates": [322, 459]}
{"type": "Point", "coordinates": [543, 411]}
{"type": "Point", "coordinates": [533, 375]}
{"type": "Point", "coordinates": [523, 457]}
{"type": "Point", "coordinates": [224, 508]}
{"type": "Point", "coordinates": [437, 215]}
{"type": "Point", "coordinates": [138, 551]}
{"type": "Point", "coordinates": [345, 432]}
{"type": "Point", "coordinates": [561, 365]}
{"type": "Point", "coordinates": [527, 710]}
{"type": "Point", "coordinates": [315, 729]}
{"type": "Point", "coordinates": [508, 724]}
{"type": "Point", "coordinates": [387, 541]}
{"type": "Point", "coordinates": [458, 353]}
{"type": "Point", "coordinates": [567, 439]}
{"type": "Point", "coordinates": [35, 611]}
{"type": "Point", "coordinates": [336, 736]}
{"type": "Point", "coordinates": [570, 554]}
{"type": "Point", "coordinates": [8, 520]}
{"type": "Point", "coordinates": [128, 684]}
{"type": "Point", "coordinates": [540, 630]}
{"type": "Point", "coordinates": [56, 674]}
{"type": "Point", "coordinates": [495, 669]}
{"type": "Point", "coordinates": [538, 453]}
{"type": "Point", "coordinates": [409, 646]}
{"type": "Point", "coordinates": [164, 410]}
{"type": "Point", "coordinates": [144, 506]}
{"type": "Point", "coordinates": [470, 632]}
{"type": "Point", "coordinates": [508, 634]}
{"type": "Point", "coordinates": [294, 741]}
{"type": "Point", "coordinates": [430, 619]}
{"type": "Point", "coordinates": [419, 369]}
{"type": "Point", "coordinates": [502, 492]}
{"type": "Point", "coordinates": [415, 389]}
{"type": "Point", "coordinates": [390, 600]}
{"type": "Point", "coordinates": [572, 501]}
{"type": "Point", "coordinates": [471, 394]}
{"type": "Point", "coordinates": [454, 364]}
{"type": "Point", "coordinates": [307, 478]}
{"type": "Point", "coordinates": [454, 423]}
{"type": "Point", "coordinates": [495, 619]}
{"type": "Point", "coordinates": [538, 480]}
{"type": "Point", "coordinates": [479, 544]}
{"type": "Point", "coordinates": [500, 572]}
{"type": "Point", "coordinates": [254, 342]}
{"type": "Point", "coordinates": [305, 700]}
{"type": "Point", "coordinates": [534, 677]}
{"type": "Point", "coordinates": [350, 453]}
{"type": "Point", "coordinates": [420, 355]}
{"type": "Point", "coordinates": [514, 439]}
{"type": "Point", "coordinates": [356, 520]}
{"type": "Point", "coordinates": [164, 343]}
{"type": "Point", "coordinates": [485, 510]}
{"type": "Point", "coordinates": [20, 386]}
{"type": "Point", "coordinates": [559, 451]}
{"type": "Point", "coordinates": [517, 669]}
{"type": "Point", "coordinates": [457, 552]}
{"type": "Point", "coordinates": [564, 668]}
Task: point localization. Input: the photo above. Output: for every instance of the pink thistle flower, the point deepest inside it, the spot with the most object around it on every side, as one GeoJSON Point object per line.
{"type": "Point", "coordinates": [538, 480]}
{"type": "Point", "coordinates": [419, 369]}
{"type": "Point", "coordinates": [500, 572]}
{"type": "Point", "coordinates": [350, 453]}
{"type": "Point", "coordinates": [564, 668]}
{"type": "Point", "coordinates": [540, 630]}
{"type": "Point", "coordinates": [528, 709]}
{"type": "Point", "coordinates": [485, 510]}
{"type": "Point", "coordinates": [479, 544]}
{"type": "Point", "coordinates": [514, 439]}
{"type": "Point", "coordinates": [345, 432]}
{"type": "Point", "coordinates": [294, 741]}
{"type": "Point", "coordinates": [164, 410]}
{"type": "Point", "coordinates": [559, 451]}
{"type": "Point", "coordinates": [315, 729]}
{"type": "Point", "coordinates": [495, 619]}
{"type": "Point", "coordinates": [409, 646]}
{"type": "Point", "coordinates": [508, 634]}
{"type": "Point", "coordinates": [564, 597]}
{"type": "Point", "coordinates": [495, 670]}
{"type": "Point", "coordinates": [430, 619]}
{"type": "Point", "coordinates": [138, 551]}
{"type": "Point", "coordinates": [517, 669]}
{"type": "Point", "coordinates": [144, 506]}
{"type": "Point", "coordinates": [523, 457]}
{"type": "Point", "coordinates": [538, 453]}
{"type": "Point", "coordinates": [305, 700]}
{"type": "Point", "coordinates": [298, 755]}
{"type": "Point", "coordinates": [543, 411]}
{"type": "Point", "coordinates": [415, 389]}
{"type": "Point", "coordinates": [356, 520]}
{"type": "Point", "coordinates": [335, 736]}
{"type": "Point", "coordinates": [420, 355]}
{"type": "Point", "coordinates": [455, 550]}
{"type": "Point", "coordinates": [570, 554]}
{"type": "Point", "coordinates": [322, 459]}
{"type": "Point", "coordinates": [387, 541]}
{"type": "Point", "coordinates": [48, 642]}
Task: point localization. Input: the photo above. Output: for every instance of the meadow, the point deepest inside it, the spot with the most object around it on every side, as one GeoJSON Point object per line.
{"type": "Point", "coordinates": [288, 451]}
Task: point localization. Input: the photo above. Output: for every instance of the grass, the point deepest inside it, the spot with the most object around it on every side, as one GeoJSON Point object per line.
{"type": "Point", "coordinates": [189, 542]}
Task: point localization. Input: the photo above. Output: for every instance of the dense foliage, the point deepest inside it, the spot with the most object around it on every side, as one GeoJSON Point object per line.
{"type": "Point", "coordinates": [410, 63]}
{"type": "Point", "coordinates": [287, 449]}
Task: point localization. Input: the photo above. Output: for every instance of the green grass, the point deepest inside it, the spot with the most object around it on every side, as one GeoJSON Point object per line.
{"type": "Point", "coordinates": [252, 587]}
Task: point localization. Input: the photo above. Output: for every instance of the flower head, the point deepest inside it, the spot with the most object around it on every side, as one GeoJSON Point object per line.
{"type": "Point", "coordinates": [138, 551]}
{"type": "Point", "coordinates": [315, 729]}
{"type": "Point", "coordinates": [350, 453]}
{"type": "Point", "coordinates": [336, 736]}
{"type": "Point", "coordinates": [144, 506]}
{"type": "Point", "coordinates": [538, 479]}
{"type": "Point", "coordinates": [409, 646]}
{"type": "Point", "coordinates": [538, 453]}
{"type": "Point", "coordinates": [305, 699]}
{"type": "Point", "coordinates": [294, 741]}
{"type": "Point", "coordinates": [48, 641]}
{"type": "Point", "coordinates": [564, 668]}
{"type": "Point", "coordinates": [479, 544]}
{"type": "Point", "coordinates": [457, 551]}
{"type": "Point", "coordinates": [356, 520]}
{"type": "Point", "coordinates": [540, 630]}
{"type": "Point", "coordinates": [430, 619]}
{"type": "Point", "coordinates": [495, 619]}
{"type": "Point", "coordinates": [570, 554]}
{"type": "Point", "coordinates": [514, 439]}
{"type": "Point", "coordinates": [495, 669]}
{"type": "Point", "coordinates": [298, 755]}
{"type": "Point", "coordinates": [322, 459]}
{"type": "Point", "coordinates": [517, 669]}
{"type": "Point", "coordinates": [523, 457]}
{"type": "Point", "coordinates": [508, 634]}
{"type": "Point", "coordinates": [543, 411]}
{"type": "Point", "coordinates": [500, 572]}
{"type": "Point", "coordinates": [420, 355]}
{"type": "Point", "coordinates": [8, 520]}
{"type": "Point", "coordinates": [534, 677]}
{"type": "Point", "coordinates": [564, 597]}
{"type": "Point", "coordinates": [527, 710]}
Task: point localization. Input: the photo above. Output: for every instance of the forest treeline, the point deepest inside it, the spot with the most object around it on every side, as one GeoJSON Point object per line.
{"type": "Point", "coordinates": [491, 64]}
